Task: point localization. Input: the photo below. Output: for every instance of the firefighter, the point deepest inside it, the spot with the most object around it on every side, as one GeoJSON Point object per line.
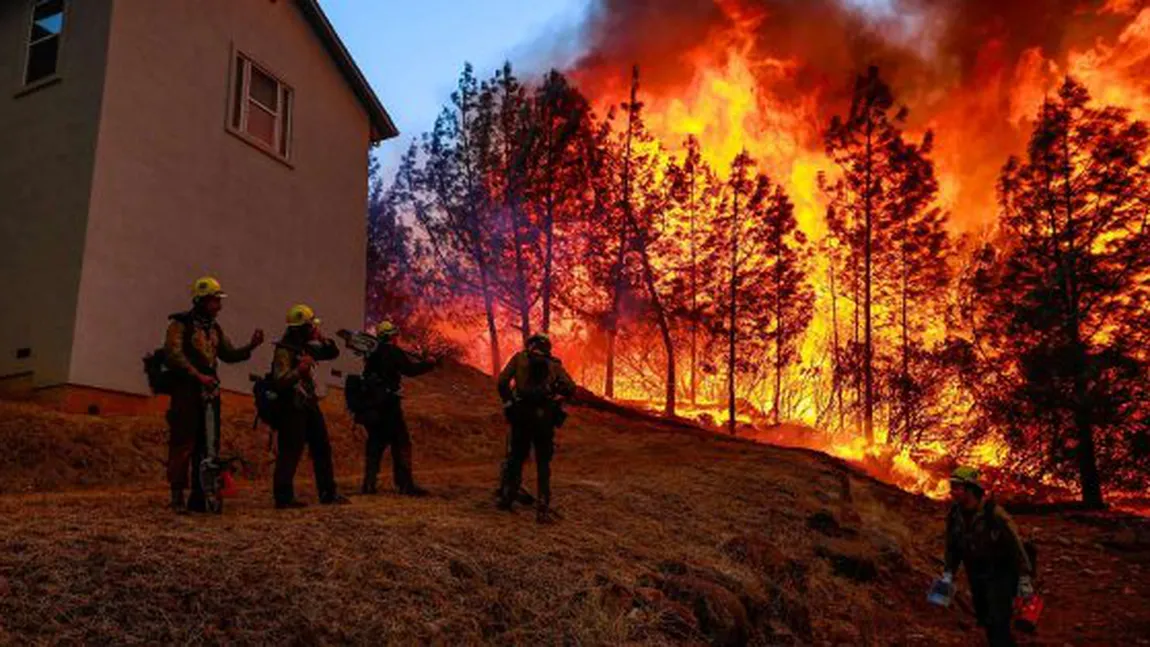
{"type": "Point", "coordinates": [383, 373]}
{"type": "Point", "coordinates": [981, 535]}
{"type": "Point", "coordinates": [300, 421]}
{"type": "Point", "coordinates": [533, 407]}
{"type": "Point", "coordinates": [194, 346]}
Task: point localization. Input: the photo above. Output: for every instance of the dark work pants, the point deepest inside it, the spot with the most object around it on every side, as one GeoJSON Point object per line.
{"type": "Point", "coordinates": [300, 427]}
{"type": "Point", "coordinates": [386, 427]}
{"type": "Point", "coordinates": [993, 596]}
{"type": "Point", "coordinates": [533, 428]}
{"type": "Point", "coordinates": [186, 442]}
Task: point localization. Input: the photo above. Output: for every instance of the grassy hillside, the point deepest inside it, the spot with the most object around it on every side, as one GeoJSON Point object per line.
{"type": "Point", "coordinates": [669, 535]}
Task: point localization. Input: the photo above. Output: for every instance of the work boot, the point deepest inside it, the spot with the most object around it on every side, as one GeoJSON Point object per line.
{"type": "Point", "coordinates": [178, 505]}
{"type": "Point", "coordinates": [543, 514]}
{"type": "Point", "coordinates": [413, 490]}
{"type": "Point", "coordinates": [294, 504]}
{"type": "Point", "coordinates": [196, 502]}
{"type": "Point", "coordinates": [335, 499]}
{"type": "Point", "coordinates": [369, 489]}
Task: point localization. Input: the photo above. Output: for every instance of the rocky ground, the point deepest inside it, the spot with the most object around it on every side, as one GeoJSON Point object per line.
{"type": "Point", "coordinates": [668, 535]}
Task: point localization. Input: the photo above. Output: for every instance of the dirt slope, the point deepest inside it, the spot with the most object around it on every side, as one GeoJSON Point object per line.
{"type": "Point", "coordinates": [669, 535]}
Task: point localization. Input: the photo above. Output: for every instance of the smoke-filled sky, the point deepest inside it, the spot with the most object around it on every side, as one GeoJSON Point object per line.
{"type": "Point", "coordinates": [972, 70]}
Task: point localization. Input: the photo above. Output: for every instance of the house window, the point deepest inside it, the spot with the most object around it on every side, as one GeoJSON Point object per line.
{"type": "Point", "coordinates": [261, 108]}
{"type": "Point", "coordinates": [44, 40]}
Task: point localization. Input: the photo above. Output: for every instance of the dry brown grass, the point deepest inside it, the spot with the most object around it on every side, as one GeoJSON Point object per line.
{"type": "Point", "coordinates": [668, 536]}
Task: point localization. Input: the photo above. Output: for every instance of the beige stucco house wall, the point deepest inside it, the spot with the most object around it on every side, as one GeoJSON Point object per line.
{"type": "Point", "coordinates": [47, 152]}
{"type": "Point", "coordinates": [163, 191]}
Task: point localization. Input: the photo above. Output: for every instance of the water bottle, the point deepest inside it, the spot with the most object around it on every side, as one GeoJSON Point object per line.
{"type": "Point", "coordinates": [941, 592]}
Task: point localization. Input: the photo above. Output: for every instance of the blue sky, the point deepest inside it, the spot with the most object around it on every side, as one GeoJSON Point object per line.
{"type": "Point", "coordinates": [413, 50]}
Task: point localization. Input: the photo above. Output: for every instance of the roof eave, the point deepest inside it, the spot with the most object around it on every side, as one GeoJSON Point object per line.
{"type": "Point", "coordinates": [382, 127]}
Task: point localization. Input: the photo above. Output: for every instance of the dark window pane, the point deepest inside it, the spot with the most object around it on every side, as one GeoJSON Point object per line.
{"type": "Point", "coordinates": [238, 94]}
{"type": "Point", "coordinates": [48, 19]}
{"type": "Point", "coordinates": [264, 89]}
{"type": "Point", "coordinates": [42, 59]}
{"type": "Point", "coordinates": [261, 124]}
{"type": "Point", "coordinates": [285, 123]}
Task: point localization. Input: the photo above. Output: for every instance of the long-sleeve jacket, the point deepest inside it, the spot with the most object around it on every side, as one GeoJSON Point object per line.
{"type": "Point", "coordinates": [986, 540]}
{"type": "Point", "coordinates": [287, 373]}
{"type": "Point", "coordinates": [197, 345]}
{"type": "Point", "coordinates": [534, 377]}
{"type": "Point", "coordinates": [389, 364]}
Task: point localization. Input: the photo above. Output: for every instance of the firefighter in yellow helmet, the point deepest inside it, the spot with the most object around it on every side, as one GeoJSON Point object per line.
{"type": "Point", "coordinates": [531, 387]}
{"type": "Point", "coordinates": [300, 421]}
{"type": "Point", "coordinates": [981, 535]}
{"type": "Point", "coordinates": [383, 373]}
{"type": "Point", "coordinates": [194, 346]}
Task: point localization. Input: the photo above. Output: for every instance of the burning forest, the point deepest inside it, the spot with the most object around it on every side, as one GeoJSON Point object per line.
{"type": "Point", "coordinates": [906, 232]}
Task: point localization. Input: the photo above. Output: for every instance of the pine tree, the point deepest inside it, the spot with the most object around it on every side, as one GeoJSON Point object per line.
{"type": "Point", "coordinates": [506, 182]}
{"type": "Point", "coordinates": [867, 202]}
{"type": "Point", "coordinates": [791, 299]}
{"type": "Point", "coordinates": [914, 272]}
{"type": "Point", "coordinates": [1063, 296]}
{"type": "Point", "coordinates": [460, 218]}
{"type": "Point", "coordinates": [741, 264]}
{"type": "Point", "coordinates": [560, 121]}
{"type": "Point", "coordinates": [693, 195]}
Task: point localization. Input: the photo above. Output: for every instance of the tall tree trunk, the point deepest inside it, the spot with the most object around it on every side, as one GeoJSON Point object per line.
{"type": "Point", "coordinates": [868, 347]}
{"type": "Point", "coordinates": [523, 303]}
{"type": "Point", "coordinates": [622, 257]}
{"type": "Point", "coordinates": [836, 359]}
{"type": "Point", "coordinates": [512, 174]}
{"type": "Point", "coordinates": [856, 368]}
{"type": "Point", "coordinates": [905, 391]}
{"type": "Point", "coordinates": [733, 315]}
{"type": "Point", "coordinates": [609, 385]}
{"type": "Point", "coordinates": [1089, 478]}
{"type": "Point", "coordinates": [492, 328]}
{"type": "Point", "coordinates": [664, 329]}
{"type": "Point", "coordinates": [777, 242]}
{"type": "Point", "coordinates": [694, 294]}
{"type": "Point", "coordinates": [549, 225]}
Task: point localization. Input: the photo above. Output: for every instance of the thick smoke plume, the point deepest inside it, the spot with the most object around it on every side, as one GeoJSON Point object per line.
{"type": "Point", "coordinates": [973, 70]}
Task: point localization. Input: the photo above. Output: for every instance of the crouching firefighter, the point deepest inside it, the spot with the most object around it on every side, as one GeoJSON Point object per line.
{"type": "Point", "coordinates": [999, 565]}
{"type": "Point", "coordinates": [533, 406]}
{"type": "Point", "coordinates": [193, 347]}
{"type": "Point", "coordinates": [299, 420]}
{"type": "Point", "coordinates": [382, 411]}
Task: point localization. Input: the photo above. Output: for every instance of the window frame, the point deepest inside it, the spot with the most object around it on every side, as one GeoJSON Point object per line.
{"type": "Point", "coordinates": [239, 107]}
{"type": "Point", "coordinates": [24, 86]}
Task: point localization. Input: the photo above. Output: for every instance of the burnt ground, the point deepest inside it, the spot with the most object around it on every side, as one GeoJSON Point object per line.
{"type": "Point", "coordinates": [668, 535]}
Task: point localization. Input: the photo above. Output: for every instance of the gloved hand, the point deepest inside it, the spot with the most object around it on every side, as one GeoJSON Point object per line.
{"type": "Point", "coordinates": [948, 577]}
{"type": "Point", "coordinates": [1025, 587]}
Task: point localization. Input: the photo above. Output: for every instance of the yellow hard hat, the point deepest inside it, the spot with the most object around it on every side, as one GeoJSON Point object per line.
{"type": "Point", "coordinates": [301, 315]}
{"type": "Point", "coordinates": [207, 286]}
{"type": "Point", "coordinates": [966, 475]}
{"type": "Point", "coordinates": [386, 329]}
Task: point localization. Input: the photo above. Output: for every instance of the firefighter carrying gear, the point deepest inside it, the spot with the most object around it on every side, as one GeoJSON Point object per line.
{"type": "Point", "coordinates": [207, 286]}
{"type": "Point", "coordinates": [533, 409]}
{"type": "Point", "coordinates": [300, 422]}
{"type": "Point", "coordinates": [998, 564]}
{"type": "Point", "coordinates": [383, 418]}
{"type": "Point", "coordinates": [194, 346]}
